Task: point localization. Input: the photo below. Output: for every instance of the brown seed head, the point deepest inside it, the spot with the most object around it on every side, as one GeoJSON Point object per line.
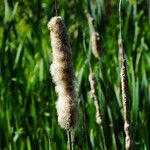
{"type": "Point", "coordinates": [92, 81]}
{"type": "Point", "coordinates": [62, 74]}
{"type": "Point", "coordinates": [96, 48]}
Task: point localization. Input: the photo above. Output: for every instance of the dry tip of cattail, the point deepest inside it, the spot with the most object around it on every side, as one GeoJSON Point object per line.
{"type": "Point", "coordinates": [96, 48]}
{"type": "Point", "coordinates": [63, 75]}
{"type": "Point", "coordinates": [92, 81]}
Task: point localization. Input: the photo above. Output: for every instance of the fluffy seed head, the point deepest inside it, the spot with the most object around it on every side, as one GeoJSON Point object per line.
{"type": "Point", "coordinates": [96, 48]}
{"type": "Point", "coordinates": [62, 74]}
{"type": "Point", "coordinates": [92, 81]}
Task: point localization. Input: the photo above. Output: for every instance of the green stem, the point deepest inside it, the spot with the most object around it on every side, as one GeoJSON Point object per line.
{"type": "Point", "coordinates": [69, 140]}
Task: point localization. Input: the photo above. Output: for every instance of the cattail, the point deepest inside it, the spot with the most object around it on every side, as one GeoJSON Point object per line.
{"type": "Point", "coordinates": [124, 87]}
{"type": "Point", "coordinates": [95, 39]}
{"type": "Point", "coordinates": [126, 101]}
{"type": "Point", "coordinates": [62, 74]}
{"type": "Point", "coordinates": [96, 48]}
{"type": "Point", "coordinates": [92, 81]}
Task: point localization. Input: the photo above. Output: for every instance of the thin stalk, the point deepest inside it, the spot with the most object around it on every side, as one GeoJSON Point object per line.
{"type": "Point", "coordinates": [69, 140]}
{"type": "Point", "coordinates": [56, 8]}
{"type": "Point", "coordinates": [102, 131]}
{"type": "Point", "coordinates": [148, 1]}
{"type": "Point", "coordinates": [49, 143]}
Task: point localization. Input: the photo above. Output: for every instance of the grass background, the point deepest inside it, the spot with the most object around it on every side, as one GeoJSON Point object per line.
{"type": "Point", "coordinates": [28, 118]}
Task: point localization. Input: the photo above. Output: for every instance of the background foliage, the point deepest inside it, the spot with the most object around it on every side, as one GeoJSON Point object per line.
{"type": "Point", "coordinates": [28, 118]}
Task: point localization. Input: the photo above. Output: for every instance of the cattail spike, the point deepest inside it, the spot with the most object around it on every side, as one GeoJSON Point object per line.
{"type": "Point", "coordinates": [126, 105]}
{"type": "Point", "coordinates": [96, 48]}
{"type": "Point", "coordinates": [95, 39]}
{"type": "Point", "coordinates": [124, 86]}
{"type": "Point", "coordinates": [62, 74]}
{"type": "Point", "coordinates": [92, 81]}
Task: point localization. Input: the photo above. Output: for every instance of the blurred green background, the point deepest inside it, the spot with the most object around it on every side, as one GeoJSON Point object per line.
{"type": "Point", "coordinates": [28, 118]}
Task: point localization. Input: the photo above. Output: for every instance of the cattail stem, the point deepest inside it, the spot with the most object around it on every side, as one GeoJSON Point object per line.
{"type": "Point", "coordinates": [148, 3]}
{"type": "Point", "coordinates": [56, 9]}
{"type": "Point", "coordinates": [69, 140]}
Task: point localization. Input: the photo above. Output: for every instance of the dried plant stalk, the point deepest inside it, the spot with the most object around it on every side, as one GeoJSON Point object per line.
{"type": "Point", "coordinates": [126, 101]}
{"type": "Point", "coordinates": [92, 81]}
{"type": "Point", "coordinates": [62, 74]}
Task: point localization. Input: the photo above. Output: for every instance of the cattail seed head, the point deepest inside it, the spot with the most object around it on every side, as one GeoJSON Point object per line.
{"type": "Point", "coordinates": [92, 81]}
{"type": "Point", "coordinates": [96, 48]}
{"type": "Point", "coordinates": [62, 74]}
{"type": "Point", "coordinates": [126, 103]}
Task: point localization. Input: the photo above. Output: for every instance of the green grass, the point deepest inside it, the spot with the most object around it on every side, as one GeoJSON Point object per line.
{"type": "Point", "coordinates": [28, 118]}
